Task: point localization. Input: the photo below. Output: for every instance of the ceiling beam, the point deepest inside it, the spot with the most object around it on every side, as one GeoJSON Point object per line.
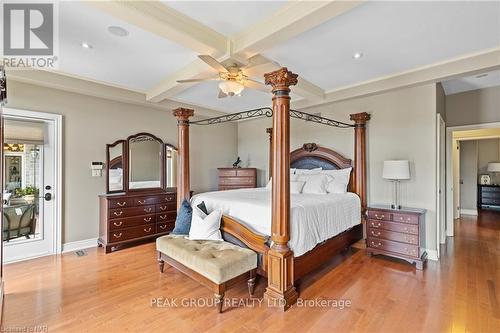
{"type": "Point", "coordinates": [290, 21]}
{"type": "Point", "coordinates": [168, 23]}
{"type": "Point", "coordinates": [468, 65]}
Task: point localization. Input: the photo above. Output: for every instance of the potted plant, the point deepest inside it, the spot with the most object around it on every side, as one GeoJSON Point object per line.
{"type": "Point", "coordinates": [29, 194]}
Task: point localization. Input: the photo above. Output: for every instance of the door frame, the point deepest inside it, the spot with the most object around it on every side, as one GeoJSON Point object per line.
{"type": "Point", "coordinates": [450, 142]}
{"type": "Point", "coordinates": [13, 113]}
{"type": "Point", "coordinates": [440, 192]}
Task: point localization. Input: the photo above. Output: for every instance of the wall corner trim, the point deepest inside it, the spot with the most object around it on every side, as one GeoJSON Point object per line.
{"type": "Point", "coordinates": [432, 254]}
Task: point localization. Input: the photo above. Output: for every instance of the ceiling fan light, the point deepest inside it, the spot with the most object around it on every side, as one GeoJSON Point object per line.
{"type": "Point", "coordinates": [231, 88]}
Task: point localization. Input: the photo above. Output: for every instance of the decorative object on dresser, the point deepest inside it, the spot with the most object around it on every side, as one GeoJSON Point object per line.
{"type": "Point", "coordinates": [488, 196]}
{"type": "Point", "coordinates": [140, 203]}
{"type": "Point", "coordinates": [235, 178]}
{"type": "Point", "coordinates": [396, 170]}
{"type": "Point", "coordinates": [236, 164]}
{"type": "Point", "coordinates": [396, 233]}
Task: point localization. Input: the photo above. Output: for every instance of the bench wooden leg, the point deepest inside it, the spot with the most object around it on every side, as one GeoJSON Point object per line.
{"type": "Point", "coordinates": [251, 283]}
{"type": "Point", "coordinates": [219, 301]}
{"type": "Point", "coordinates": [161, 263]}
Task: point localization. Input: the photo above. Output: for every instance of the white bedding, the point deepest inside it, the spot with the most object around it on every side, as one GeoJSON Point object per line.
{"type": "Point", "coordinates": [314, 218]}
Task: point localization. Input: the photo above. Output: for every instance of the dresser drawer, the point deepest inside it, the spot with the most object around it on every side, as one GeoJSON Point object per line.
{"type": "Point", "coordinates": [166, 198]}
{"type": "Point", "coordinates": [236, 181]}
{"type": "Point", "coordinates": [227, 172]}
{"type": "Point", "coordinates": [165, 227]}
{"type": "Point", "coordinates": [119, 203]}
{"type": "Point", "coordinates": [494, 189]}
{"type": "Point", "coordinates": [133, 232]}
{"type": "Point", "coordinates": [394, 247]}
{"type": "Point", "coordinates": [394, 236]}
{"type": "Point", "coordinates": [379, 215]}
{"type": "Point", "coordinates": [166, 207]}
{"type": "Point", "coordinates": [130, 222]}
{"type": "Point", "coordinates": [128, 212]}
{"type": "Point", "coordinates": [245, 172]}
{"type": "Point", "coordinates": [166, 217]}
{"type": "Point", "coordinates": [144, 201]}
{"type": "Point", "coordinates": [398, 227]}
{"type": "Point", "coordinates": [405, 218]}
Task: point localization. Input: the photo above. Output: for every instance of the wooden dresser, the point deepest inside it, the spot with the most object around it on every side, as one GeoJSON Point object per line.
{"type": "Point", "coordinates": [396, 233]}
{"type": "Point", "coordinates": [130, 219]}
{"type": "Point", "coordinates": [234, 178]}
{"type": "Point", "coordinates": [488, 196]}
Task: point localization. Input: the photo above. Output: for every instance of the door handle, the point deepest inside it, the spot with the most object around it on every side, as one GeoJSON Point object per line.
{"type": "Point", "coordinates": [47, 196]}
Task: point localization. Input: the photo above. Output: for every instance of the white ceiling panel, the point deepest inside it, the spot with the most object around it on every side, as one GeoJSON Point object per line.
{"type": "Point", "coordinates": [205, 93]}
{"type": "Point", "coordinates": [138, 61]}
{"type": "Point", "coordinates": [484, 80]}
{"type": "Point", "coordinates": [393, 37]}
{"type": "Point", "coordinates": [226, 17]}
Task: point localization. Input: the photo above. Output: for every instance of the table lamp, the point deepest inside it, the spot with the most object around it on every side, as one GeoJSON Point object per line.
{"type": "Point", "coordinates": [396, 170]}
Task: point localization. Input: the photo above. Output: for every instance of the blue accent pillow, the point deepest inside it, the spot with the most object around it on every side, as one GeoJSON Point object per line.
{"type": "Point", "coordinates": [183, 220]}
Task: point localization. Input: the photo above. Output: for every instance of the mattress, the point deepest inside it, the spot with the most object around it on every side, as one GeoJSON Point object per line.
{"type": "Point", "coordinates": [314, 218]}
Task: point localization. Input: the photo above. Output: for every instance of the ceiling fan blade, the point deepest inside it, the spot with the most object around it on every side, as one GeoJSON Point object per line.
{"type": "Point", "coordinates": [257, 60]}
{"type": "Point", "coordinates": [201, 79]}
{"type": "Point", "coordinates": [256, 85]}
{"type": "Point", "coordinates": [212, 62]}
{"type": "Point", "coordinates": [221, 94]}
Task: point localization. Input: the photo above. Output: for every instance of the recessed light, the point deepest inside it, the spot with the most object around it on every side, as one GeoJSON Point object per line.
{"type": "Point", "coordinates": [357, 55]}
{"type": "Point", "coordinates": [481, 75]}
{"type": "Point", "coordinates": [86, 45]}
{"type": "Point", "coordinates": [117, 31]}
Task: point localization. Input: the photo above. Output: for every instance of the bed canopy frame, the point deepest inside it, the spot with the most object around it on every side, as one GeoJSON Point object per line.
{"type": "Point", "coordinates": [278, 262]}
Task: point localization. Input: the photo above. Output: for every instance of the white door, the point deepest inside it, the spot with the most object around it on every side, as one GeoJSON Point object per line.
{"type": "Point", "coordinates": [31, 207]}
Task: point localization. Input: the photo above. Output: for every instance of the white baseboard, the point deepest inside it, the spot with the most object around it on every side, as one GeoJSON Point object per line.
{"type": "Point", "coordinates": [431, 254]}
{"type": "Point", "coordinates": [472, 212]}
{"type": "Point", "coordinates": [79, 245]}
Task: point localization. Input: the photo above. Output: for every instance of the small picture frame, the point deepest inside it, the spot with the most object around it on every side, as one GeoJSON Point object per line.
{"type": "Point", "coordinates": [485, 180]}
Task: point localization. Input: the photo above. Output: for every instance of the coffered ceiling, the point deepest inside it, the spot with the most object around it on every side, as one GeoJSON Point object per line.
{"type": "Point", "coordinates": [399, 43]}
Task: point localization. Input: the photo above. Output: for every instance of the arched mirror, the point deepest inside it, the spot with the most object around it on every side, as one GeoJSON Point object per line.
{"type": "Point", "coordinates": [142, 162]}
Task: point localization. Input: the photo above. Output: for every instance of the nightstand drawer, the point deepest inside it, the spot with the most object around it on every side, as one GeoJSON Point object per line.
{"type": "Point", "coordinates": [398, 227]}
{"type": "Point", "coordinates": [394, 247]}
{"type": "Point", "coordinates": [394, 236]}
{"type": "Point", "coordinates": [405, 218]}
{"type": "Point", "coordinates": [379, 215]}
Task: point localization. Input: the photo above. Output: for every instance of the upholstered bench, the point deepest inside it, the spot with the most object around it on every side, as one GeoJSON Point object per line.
{"type": "Point", "coordinates": [215, 264]}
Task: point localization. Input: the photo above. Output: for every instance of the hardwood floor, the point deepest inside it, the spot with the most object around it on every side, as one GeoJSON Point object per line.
{"type": "Point", "coordinates": [113, 293]}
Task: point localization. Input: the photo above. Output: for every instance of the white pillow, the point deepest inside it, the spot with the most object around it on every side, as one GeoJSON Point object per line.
{"type": "Point", "coordinates": [296, 187]}
{"type": "Point", "coordinates": [293, 178]}
{"type": "Point", "coordinates": [340, 176]}
{"type": "Point", "coordinates": [205, 227]}
{"type": "Point", "coordinates": [292, 171]}
{"type": "Point", "coordinates": [315, 184]}
{"type": "Point", "coordinates": [334, 187]}
{"type": "Point", "coordinates": [308, 171]}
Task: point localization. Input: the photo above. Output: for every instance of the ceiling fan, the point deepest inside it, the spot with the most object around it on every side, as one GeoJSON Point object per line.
{"type": "Point", "coordinates": [233, 77]}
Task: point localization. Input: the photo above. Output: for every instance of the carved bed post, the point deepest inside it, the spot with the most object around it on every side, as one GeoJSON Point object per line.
{"type": "Point", "coordinates": [360, 120]}
{"type": "Point", "coordinates": [269, 131]}
{"type": "Point", "coordinates": [183, 186]}
{"type": "Point", "coordinates": [280, 289]}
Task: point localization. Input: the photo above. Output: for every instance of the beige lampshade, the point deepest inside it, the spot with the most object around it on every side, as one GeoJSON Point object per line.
{"type": "Point", "coordinates": [396, 169]}
{"type": "Point", "coordinates": [493, 167]}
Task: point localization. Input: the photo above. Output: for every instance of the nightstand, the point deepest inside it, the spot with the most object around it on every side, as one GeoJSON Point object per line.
{"type": "Point", "coordinates": [396, 233]}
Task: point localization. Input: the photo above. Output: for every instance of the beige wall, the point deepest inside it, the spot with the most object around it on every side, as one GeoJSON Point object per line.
{"type": "Point", "coordinates": [403, 126]}
{"type": "Point", "coordinates": [90, 123]}
{"type": "Point", "coordinates": [473, 107]}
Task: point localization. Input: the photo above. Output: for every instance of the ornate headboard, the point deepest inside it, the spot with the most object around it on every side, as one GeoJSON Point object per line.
{"type": "Point", "coordinates": [311, 156]}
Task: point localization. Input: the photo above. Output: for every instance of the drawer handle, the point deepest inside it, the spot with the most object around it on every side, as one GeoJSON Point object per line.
{"type": "Point", "coordinates": [142, 202]}
{"type": "Point", "coordinates": [406, 229]}
{"type": "Point", "coordinates": [163, 207]}
{"type": "Point", "coordinates": [379, 217]}
{"type": "Point", "coordinates": [117, 224]}
{"type": "Point", "coordinates": [409, 239]}
{"type": "Point", "coordinates": [168, 199]}
{"type": "Point", "coordinates": [121, 204]}
{"type": "Point", "coordinates": [377, 234]}
{"type": "Point", "coordinates": [117, 236]}
{"type": "Point", "coordinates": [407, 219]}
{"type": "Point", "coordinates": [147, 219]}
{"type": "Point", "coordinates": [376, 245]}
{"type": "Point", "coordinates": [163, 217]}
{"type": "Point", "coordinates": [147, 210]}
{"type": "Point", "coordinates": [147, 230]}
{"type": "Point", "coordinates": [376, 226]}
{"type": "Point", "coordinates": [163, 227]}
{"type": "Point", "coordinates": [118, 213]}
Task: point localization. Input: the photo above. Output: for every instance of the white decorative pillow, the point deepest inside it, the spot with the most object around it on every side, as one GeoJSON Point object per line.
{"type": "Point", "coordinates": [292, 171]}
{"type": "Point", "coordinates": [315, 184]}
{"type": "Point", "coordinates": [334, 187]}
{"type": "Point", "coordinates": [293, 178]}
{"type": "Point", "coordinates": [205, 227]}
{"type": "Point", "coordinates": [308, 171]}
{"type": "Point", "coordinates": [296, 186]}
{"type": "Point", "coordinates": [340, 176]}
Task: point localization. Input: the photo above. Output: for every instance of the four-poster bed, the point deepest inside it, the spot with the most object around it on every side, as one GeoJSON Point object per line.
{"type": "Point", "coordinates": [277, 261]}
